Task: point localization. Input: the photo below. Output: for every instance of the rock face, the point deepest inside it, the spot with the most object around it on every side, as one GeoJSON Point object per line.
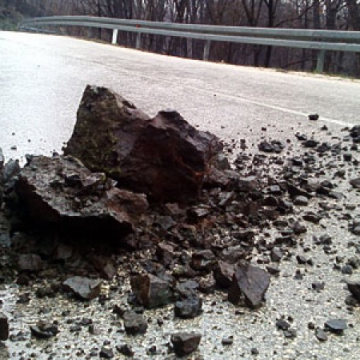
{"type": "Point", "coordinates": [84, 288]}
{"type": "Point", "coordinates": [251, 283]}
{"type": "Point", "coordinates": [151, 291]}
{"type": "Point", "coordinates": [164, 157]}
{"type": "Point", "coordinates": [60, 190]}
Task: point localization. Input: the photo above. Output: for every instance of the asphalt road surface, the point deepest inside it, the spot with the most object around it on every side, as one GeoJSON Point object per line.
{"type": "Point", "coordinates": [42, 78]}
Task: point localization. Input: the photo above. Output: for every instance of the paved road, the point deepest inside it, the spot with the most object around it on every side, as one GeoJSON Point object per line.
{"type": "Point", "coordinates": [42, 78]}
{"type": "Point", "coordinates": [41, 82]}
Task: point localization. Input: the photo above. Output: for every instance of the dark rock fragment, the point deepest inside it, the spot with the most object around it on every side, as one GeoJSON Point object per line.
{"type": "Point", "coordinates": [125, 350]}
{"type": "Point", "coordinates": [227, 340]}
{"type": "Point", "coordinates": [312, 217]}
{"type": "Point", "coordinates": [282, 324]}
{"type": "Point", "coordinates": [355, 183]}
{"type": "Point", "coordinates": [299, 228]}
{"type": "Point", "coordinates": [61, 191]}
{"type": "Point", "coordinates": [134, 323]}
{"type": "Point", "coordinates": [44, 330]}
{"type": "Point", "coordinates": [290, 334]}
{"type": "Point", "coordinates": [106, 353]}
{"type": "Point", "coordinates": [151, 291]}
{"type": "Point", "coordinates": [354, 288]}
{"type": "Point", "coordinates": [164, 157]}
{"type": "Point", "coordinates": [318, 286]}
{"type": "Point", "coordinates": [30, 262]}
{"type": "Point", "coordinates": [2, 159]}
{"type": "Point", "coordinates": [275, 146]}
{"type": "Point", "coordinates": [188, 308]}
{"type": "Point", "coordinates": [166, 253]}
{"type": "Point", "coordinates": [223, 274]}
{"type": "Point", "coordinates": [203, 260]}
{"type": "Point", "coordinates": [336, 326]}
{"type": "Point", "coordinates": [251, 282]}
{"type": "Point", "coordinates": [4, 327]}
{"type": "Point", "coordinates": [311, 143]}
{"type": "Point", "coordinates": [276, 254]}
{"type": "Point", "coordinates": [83, 287]}
{"type": "Point", "coordinates": [185, 343]}
{"type": "Point", "coordinates": [301, 200]}
{"type": "Point", "coordinates": [321, 335]}
{"type": "Point", "coordinates": [347, 269]}
{"type": "Point", "coordinates": [313, 117]}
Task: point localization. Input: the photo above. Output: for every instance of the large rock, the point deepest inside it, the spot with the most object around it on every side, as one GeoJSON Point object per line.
{"type": "Point", "coordinates": [151, 291]}
{"type": "Point", "coordinates": [60, 190]}
{"type": "Point", "coordinates": [249, 282]}
{"type": "Point", "coordinates": [164, 157]}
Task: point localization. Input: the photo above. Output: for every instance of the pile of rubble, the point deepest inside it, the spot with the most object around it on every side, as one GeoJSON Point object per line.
{"type": "Point", "coordinates": [158, 200]}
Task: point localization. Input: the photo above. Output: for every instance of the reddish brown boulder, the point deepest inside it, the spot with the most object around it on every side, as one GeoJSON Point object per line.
{"type": "Point", "coordinates": [164, 157]}
{"type": "Point", "coordinates": [61, 191]}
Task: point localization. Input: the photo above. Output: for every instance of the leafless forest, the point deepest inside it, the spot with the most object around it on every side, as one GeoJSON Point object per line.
{"type": "Point", "coordinates": [295, 14]}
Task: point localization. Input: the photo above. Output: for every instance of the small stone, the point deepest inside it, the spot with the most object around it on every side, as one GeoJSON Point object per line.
{"type": "Point", "coordinates": [223, 274]}
{"type": "Point", "coordinates": [44, 330]}
{"type": "Point", "coordinates": [227, 340]}
{"type": "Point", "coordinates": [282, 324]}
{"type": "Point", "coordinates": [188, 308]}
{"type": "Point", "coordinates": [354, 288]}
{"type": "Point", "coordinates": [301, 200]}
{"type": "Point", "coordinates": [290, 334]}
{"type": "Point", "coordinates": [299, 228]}
{"type": "Point", "coordinates": [313, 117]}
{"type": "Point", "coordinates": [347, 269]}
{"type": "Point", "coordinates": [134, 323]}
{"type": "Point", "coordinates": [318, 286]}
{"type": "Point", "coordinates": [321, 335]}
{"type": "Point", "coordinates": [106, 353]}
{"type": "Point", "coordinates": [185, 343]}
{"type": "Point", "coordinates": [336, 326]}
{"type": "Point", "coordinates": [301, 259]}
{"type": "Point", "coordinates": [355, 183]}
{"type": "Point", "coordinates": [4, 327]}
{"type": "Point", "coordinates": [276, 254]}
{"type": "Point", "coordinates": [125, 350]}
{"type": "Point", "coordinates": [151, 291]}
{"type": "Point", "coordinates": [151, 350]}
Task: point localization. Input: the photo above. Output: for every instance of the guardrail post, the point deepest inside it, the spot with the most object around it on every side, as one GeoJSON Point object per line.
{"type": "Point", "coordinates": [207, 50]}
{"type": "Point", "coordinates": [138, 40]}
{"type": "Point", "coordinates": [114, 36]}
{"type": "Point", "coordinates": [320, 61]}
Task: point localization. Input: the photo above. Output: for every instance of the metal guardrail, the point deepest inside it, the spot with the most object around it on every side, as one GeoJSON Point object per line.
{"type": "Point", "coordinates": [321, 40]}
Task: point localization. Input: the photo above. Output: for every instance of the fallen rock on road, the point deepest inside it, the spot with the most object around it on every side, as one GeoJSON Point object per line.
{"type": "Point", "coordinates": [164, 157]}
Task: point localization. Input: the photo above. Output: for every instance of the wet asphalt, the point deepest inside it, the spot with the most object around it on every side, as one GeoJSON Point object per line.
{"type": "Point", "coordinates": [42, 78]}
{"type": "Point", "coordinates": [41, 82]}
